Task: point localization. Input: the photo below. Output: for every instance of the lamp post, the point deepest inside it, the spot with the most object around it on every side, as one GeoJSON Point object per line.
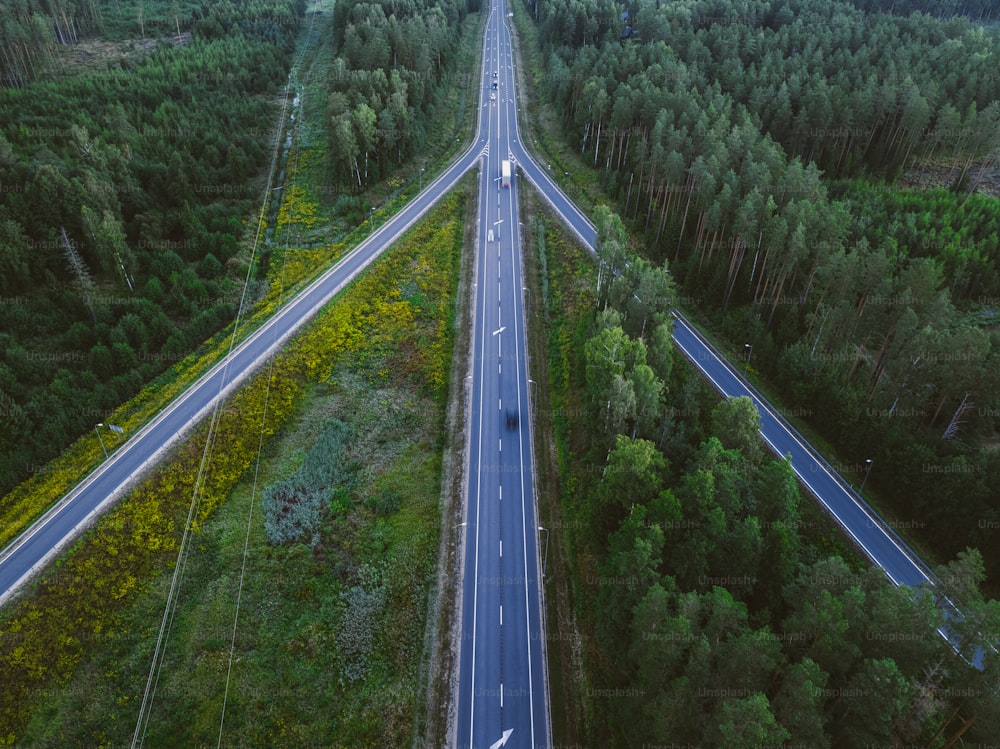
{"type": "Point", "coordinates": [545, 561]}
{"type": "Point", "coordinates": [98, 430]}
{"type": "Point", "coordinates": [870, 462]}
{"type": "Point", "coordinates": [371, 218]}
{"type": "Point", "coordinates": [746, 364]}
{"type": "Point", "coordinates": [421, 178]}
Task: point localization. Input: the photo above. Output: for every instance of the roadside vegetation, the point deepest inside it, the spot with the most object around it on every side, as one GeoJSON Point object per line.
{"type": "Point", "coordinates": [50, 394]}
{"type": "Point", "coordinates": [712, 606]}
{"type": "Point", "coordinates": [73, 649]}
{"type": "Point", "coordinates": [394, 62]}
{"type": "Point", "coordinates": [342, 552]}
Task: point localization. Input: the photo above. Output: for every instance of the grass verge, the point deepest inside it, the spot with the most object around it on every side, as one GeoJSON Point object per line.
{"type": "Point", "coordinates": [331, 630]}
{"type": "Point", "coordinates": [560, 277]}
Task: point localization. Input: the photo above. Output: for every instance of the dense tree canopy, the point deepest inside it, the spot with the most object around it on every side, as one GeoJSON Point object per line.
{"type": "Point", "coordinates": [386, 81]}
{"type": "Point", "coordinates": [738, 627]}
{"type": "Point", "coordinates": [122, 200]}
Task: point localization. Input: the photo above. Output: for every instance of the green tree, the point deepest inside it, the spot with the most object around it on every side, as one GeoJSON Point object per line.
{"type": "Point", "coordinates": [736, 422]}
{"type": "Point", "coordinates": [661, 351]}
{"type": "Point", "coordinates": [745, 722]}
{"type": "Point", "coordinates": [799, 704]}
{"type": "Point", "coordinates": [659, 640]}
{"type": "Point", "coordinates": [634, 473]}
{"type": "Point", "coordinates": [610, 358]}
{"type": "Point", "coordinates": [875, 697]}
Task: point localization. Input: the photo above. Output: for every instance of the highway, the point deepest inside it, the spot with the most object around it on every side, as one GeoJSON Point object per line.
{"type": "Point", "coordinates": [502, 696]}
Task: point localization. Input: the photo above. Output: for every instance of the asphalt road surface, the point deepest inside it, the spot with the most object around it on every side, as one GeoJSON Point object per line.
{"type": "Point", "coordinates": [502, 699]}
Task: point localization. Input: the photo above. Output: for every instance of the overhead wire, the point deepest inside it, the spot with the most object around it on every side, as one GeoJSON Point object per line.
{"type": "Point", "coordinates": [166, 624]}
{"type": "Point", "coordinates": [260, 442]}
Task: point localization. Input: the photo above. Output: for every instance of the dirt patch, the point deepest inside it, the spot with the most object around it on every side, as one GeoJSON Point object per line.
{"type": "Point", "coordinates": [99, 54]}
{"type": "Point", "coordinates": [984, 175]}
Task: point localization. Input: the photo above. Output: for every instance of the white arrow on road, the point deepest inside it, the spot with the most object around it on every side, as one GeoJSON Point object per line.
{"type": "Point", "coordinates": [503, 739]}
{"type": "Point", "coordinates": [500, 329]}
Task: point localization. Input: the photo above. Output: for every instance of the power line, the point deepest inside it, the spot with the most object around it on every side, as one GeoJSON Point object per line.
{"type": "Point", "coordinates": [142, 722]}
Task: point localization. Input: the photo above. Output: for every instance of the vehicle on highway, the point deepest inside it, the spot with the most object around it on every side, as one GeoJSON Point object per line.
{"type": "Point", "coordinates": [510, 418]}
{"type": "Point", "coordinates": [505, 173]}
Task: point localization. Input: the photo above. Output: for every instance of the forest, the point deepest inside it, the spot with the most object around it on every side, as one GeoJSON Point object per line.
{"type": "Point", "coordinates": [758, 147]}
{"type": "Point", "coordinates": [717, 610]}
{"type": "Point", "coordinates": [386, 82]}
{"type": "Point", "coordinates": [126, 189]}
{"type": "Point", "coordinates": [981, 10]}
{"type": "Point", "coordinates": [123, 204]}
{"type": "Point", "coordinates": [343, 558]}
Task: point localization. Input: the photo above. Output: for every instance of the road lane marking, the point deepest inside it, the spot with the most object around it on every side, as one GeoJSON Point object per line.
{"type": "Point", "coordinates": [795, 469]}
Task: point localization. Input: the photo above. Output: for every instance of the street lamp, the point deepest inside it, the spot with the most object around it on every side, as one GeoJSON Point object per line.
{"type": "Point", "coordinates": [97, 429]}
{"type": "Point", "coordinates": [746, 365]}
{"type": "Point", "coordinates": [546, 559]}
{"type": "Point", "coordinates": [421, 178]}
{"type": "Point", "coordinates": [870, 462]}
{"type": "Point", "coordinates": [371, 218]}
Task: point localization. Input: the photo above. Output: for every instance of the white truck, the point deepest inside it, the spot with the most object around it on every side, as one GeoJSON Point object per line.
{"type": "Point", "coordinates": [505, 173]}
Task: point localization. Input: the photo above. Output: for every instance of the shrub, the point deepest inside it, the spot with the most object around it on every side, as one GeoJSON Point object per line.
{"type": "Point", "coordinates": [362, 618]}
{"type": "Point", "coordinates": [293, 507]}
{"type": "Point", "coordinates": [385, 502]}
